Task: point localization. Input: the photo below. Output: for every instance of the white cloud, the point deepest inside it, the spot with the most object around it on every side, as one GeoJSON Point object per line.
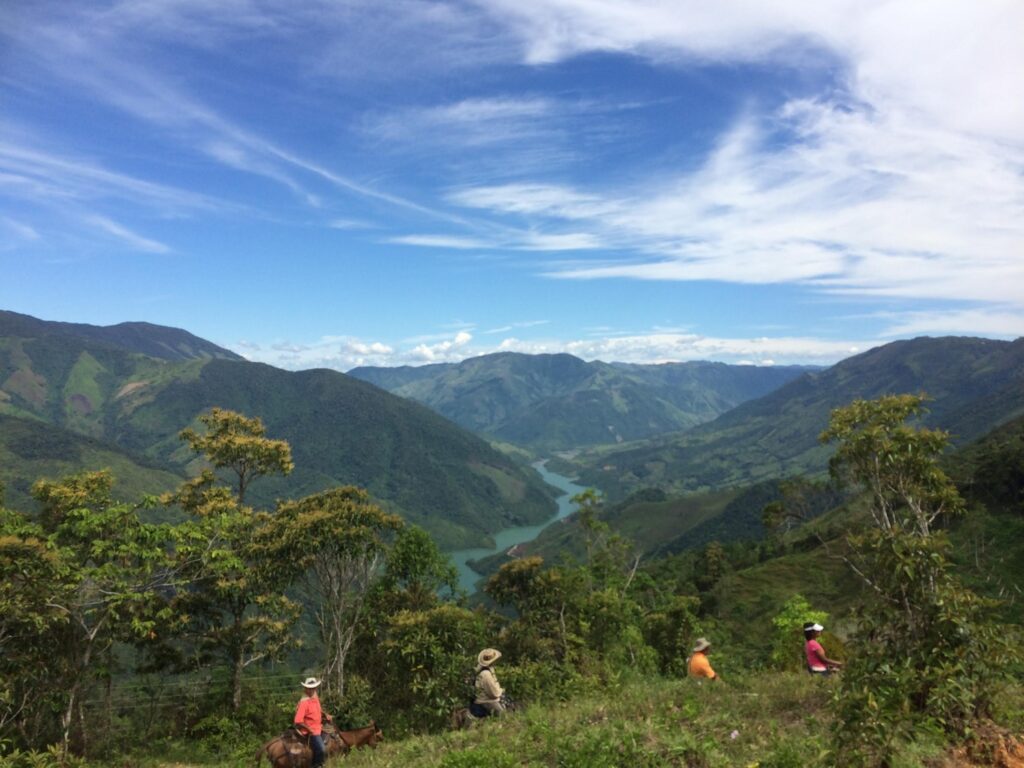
{"type": "Point", "coordinates": [999, 322]}
{"type": "Point", "coordinates": [126, 236]}
{"type": "Point", "coordinates": [336, 352]}
{"type": "Point", "coordinates": [907, 181]}
{"type": "Point", "coordinates": [440, 241]}
{"type": "Point", "coordinates": [345, 353]}
{"type": "Point", "coordinates": [442, 352]}
{"type": "Point", "coordinates": [18, 229]}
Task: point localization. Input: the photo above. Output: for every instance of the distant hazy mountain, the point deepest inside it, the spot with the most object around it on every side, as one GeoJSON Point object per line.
{"type": "Point", "coordinates": [144, 338]}
{"type": "Point", "coordinates": [976, 384]}
{"type": "Point", "coordinates": [342, 430]}
{"type": "Point", "coordinates": [556, 402]}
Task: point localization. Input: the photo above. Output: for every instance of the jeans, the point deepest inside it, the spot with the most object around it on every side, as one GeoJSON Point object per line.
{"type": "Point", "coordinates": [316, 743]}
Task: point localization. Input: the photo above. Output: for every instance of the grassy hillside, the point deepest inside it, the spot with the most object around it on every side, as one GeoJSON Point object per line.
{"type": "Point", "coordinates": [31, 449]}
{"type": "Point", "coordinates": [766, 720]}
{"type": "Point", "coordinates": [976, 384]}
{"type": "Point", "coordinates": [557, 402]}
{"type": "Point", "coordinates": [342, 430]}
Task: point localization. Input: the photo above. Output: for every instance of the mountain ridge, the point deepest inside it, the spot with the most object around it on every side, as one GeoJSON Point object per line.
{"type": "Point", "coordinates": [557, 402]}
{"type": "Point", "coordinates": [975, 384]}
{"type": "Point", "coordinates": [342, 430]}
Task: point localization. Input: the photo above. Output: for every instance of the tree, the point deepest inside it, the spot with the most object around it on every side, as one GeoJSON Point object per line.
{"type": "Point", "coordinates": [611, 560]}
{"type": "Point", "coordinates": [338, 538]}
{"type": "Point", "coordinates": [111, 575]}
{"type": "Point", "coordinates": [922, 650]}
{"type": "Point", "coordinates": [236, 607]}
{"type": "Point", "coordinates": [31, 620]}
{"type": "Point", "coordinates": [238, 443]}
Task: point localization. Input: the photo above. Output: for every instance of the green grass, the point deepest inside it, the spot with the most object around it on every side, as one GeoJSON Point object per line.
{"type": "Point", "coordinates": [778, 720]}
{"type": "Point", "coordinates": [751, 720]}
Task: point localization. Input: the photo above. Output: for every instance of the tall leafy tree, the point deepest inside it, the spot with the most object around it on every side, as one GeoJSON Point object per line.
{"type": "Point", "coordinates": [236, 607]}
{"type": "Point", "coordinates": [338, 539]}
{"type": "Point", "coordinates": [32, 592]}
{"type": "Point", "coordinates": [110, 573]}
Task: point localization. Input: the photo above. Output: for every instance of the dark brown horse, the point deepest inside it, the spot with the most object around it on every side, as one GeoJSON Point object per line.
{"type": "Point", "coordinates": [292, 750]}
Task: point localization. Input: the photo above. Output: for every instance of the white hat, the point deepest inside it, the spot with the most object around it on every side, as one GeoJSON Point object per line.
{"type": "Point", "coordinates": [702, 645]}
{"type": "Point", "coordinates": [817, 627]}
{"type": "Point", "coordinates": [310, 682]}
{"type": "Point", "coordinates": [488, 656]}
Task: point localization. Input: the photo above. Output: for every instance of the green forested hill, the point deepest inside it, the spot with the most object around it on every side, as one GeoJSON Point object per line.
{"type": "Point", "coordinates": [145, 338]}
{"type": "Point", "coordinates": [557, 402]}
{"type": "Point", "coordinates": [31, 449]}
{"type": "Point", "coordinates": [975, 384]}
{"type": "Point", "coordinates": [342, 430]}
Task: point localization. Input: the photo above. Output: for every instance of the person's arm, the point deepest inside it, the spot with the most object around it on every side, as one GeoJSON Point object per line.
{"type": "Point", "coordinates": [820, 653]}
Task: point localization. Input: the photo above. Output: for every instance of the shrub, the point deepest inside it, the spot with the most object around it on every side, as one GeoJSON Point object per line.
{"type": "Point", "coordinates": [788, 637]}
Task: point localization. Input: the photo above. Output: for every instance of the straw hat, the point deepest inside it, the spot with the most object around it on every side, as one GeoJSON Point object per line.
{"type": "Point", "coordinates": [310, 682]}
{"type": "Point", "coordinates": [488, 656]}
{"type": "Point", "coordinates": [702, 645]}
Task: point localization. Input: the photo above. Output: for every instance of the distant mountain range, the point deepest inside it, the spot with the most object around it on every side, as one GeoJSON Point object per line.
{"type": "Point", "coordinates": [975, 385]}
{"type": "Point", "coordinates": [559, 402]}
{"type": "Point", "coordinates": [133, 387]}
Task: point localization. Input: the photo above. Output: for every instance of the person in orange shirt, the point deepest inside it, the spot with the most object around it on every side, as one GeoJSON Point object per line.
{"type": "Point", "coordinates": [699, 666]}
{"type": "Point", "coordinates": [309, 718]}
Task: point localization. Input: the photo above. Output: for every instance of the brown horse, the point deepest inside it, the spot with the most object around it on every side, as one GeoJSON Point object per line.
{"type": "Point", "coordinates": [292, 750]}
{"type": "Point", "coordinates": [367, 736]}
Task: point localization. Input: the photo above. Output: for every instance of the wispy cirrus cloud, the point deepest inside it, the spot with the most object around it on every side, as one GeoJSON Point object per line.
{"type": "Point", "coordinates": [441, 241]}
{"type": "Point", "coordinates": [125, 235]}
{"type": "Point", "coordinates": [905, 179]}
{"type": "Point", "coordinates": [96, 63]}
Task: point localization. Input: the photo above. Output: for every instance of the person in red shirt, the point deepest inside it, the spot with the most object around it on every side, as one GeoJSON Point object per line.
{"type": "Point", "coordinates": [309, 718]}
{"type": "Point", "coordinates": [817, 662]}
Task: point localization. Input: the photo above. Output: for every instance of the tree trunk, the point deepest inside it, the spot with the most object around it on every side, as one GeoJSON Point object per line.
{"type": "Point", "coordinates": [236, 682]}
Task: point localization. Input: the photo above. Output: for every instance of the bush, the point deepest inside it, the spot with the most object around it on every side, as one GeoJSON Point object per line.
{"type": "Point", "coordinates": [788, 638]}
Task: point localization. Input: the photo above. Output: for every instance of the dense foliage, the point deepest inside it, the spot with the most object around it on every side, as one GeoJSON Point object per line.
{"type": "Point", "coordinates": [110, 625]}
{"type": "Point", "coordinates": [923, 653]}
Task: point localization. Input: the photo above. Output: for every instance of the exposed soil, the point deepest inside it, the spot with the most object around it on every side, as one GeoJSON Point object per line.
{"type": "Point", "coordinates": [991, 746]}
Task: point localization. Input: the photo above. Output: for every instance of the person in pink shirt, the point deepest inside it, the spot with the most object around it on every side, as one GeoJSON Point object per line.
{"type": "Point", "coordinates": [309, 719]}
{"type": "Point", "coordinates": [817, 662]}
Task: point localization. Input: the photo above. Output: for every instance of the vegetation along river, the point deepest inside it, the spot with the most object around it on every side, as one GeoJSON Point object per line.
{"type": "Point", "coordinates": [512, 536]}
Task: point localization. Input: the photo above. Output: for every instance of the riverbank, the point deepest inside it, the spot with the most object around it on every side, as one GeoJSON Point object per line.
{"type": "Point", "coordinates": [510, 537]}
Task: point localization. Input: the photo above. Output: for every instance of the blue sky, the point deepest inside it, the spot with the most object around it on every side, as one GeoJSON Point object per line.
{"type": "Point", "coordinates": [396, 182]}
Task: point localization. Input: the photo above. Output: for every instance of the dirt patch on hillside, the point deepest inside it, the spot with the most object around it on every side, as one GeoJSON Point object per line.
{"type": "Point", "coordinates": [991, 747]}
{"type": "Point", "coordinates": [127, 389]}
{"type": "Point", "coordinates": [81, 404]}
{"type": "Point", "coordinates": [27, 385]}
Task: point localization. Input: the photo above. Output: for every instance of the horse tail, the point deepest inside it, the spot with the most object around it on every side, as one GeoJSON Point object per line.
{"type": "Point", "coordinates": [263, 751]}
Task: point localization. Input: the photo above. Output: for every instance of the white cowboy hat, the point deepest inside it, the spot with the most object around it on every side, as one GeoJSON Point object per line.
{"type": "Point", "coordinates": [310, 682]}
{"type": "Point", "coordinates": [702, 645]}
{"type": "Point", "coordinates": [488, 656]}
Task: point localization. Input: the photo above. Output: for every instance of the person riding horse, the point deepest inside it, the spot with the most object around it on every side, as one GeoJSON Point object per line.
{"type": "Point", "coordinates": [309, 719]}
